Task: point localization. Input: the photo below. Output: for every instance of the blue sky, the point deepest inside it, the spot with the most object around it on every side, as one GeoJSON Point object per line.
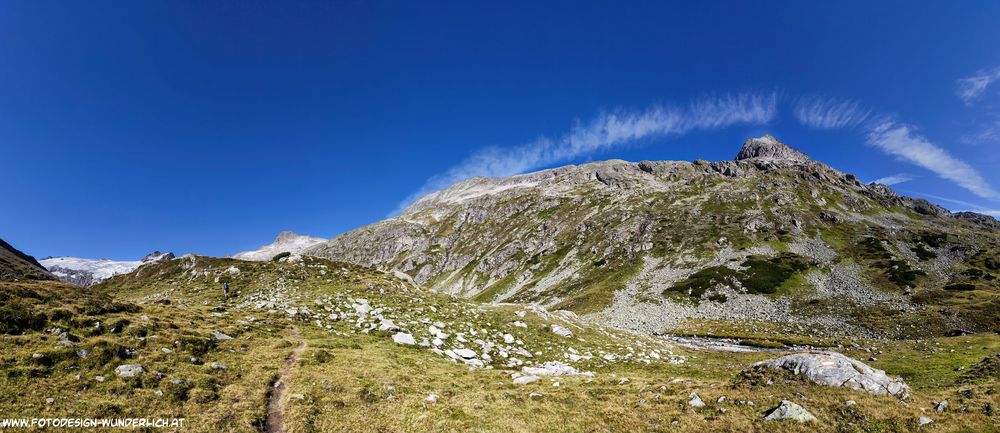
{"type": "Point", "coordinates": [210, 126]}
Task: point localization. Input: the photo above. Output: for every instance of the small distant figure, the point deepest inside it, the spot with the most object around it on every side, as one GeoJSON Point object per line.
{"type": "Point", "coordinates": [225, 289]}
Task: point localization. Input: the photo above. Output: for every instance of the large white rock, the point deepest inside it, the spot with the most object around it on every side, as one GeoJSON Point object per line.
{"type": "Point", "coordinates": [465, 353]}
{"type": "Point", "coordinates": [833, 369]}
{"type": "Point", "coordinates": [404, 339]}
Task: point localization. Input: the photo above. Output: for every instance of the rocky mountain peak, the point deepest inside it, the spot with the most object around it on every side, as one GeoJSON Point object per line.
{"type": "Point", "coordinates": [769, 148]}
{"type": "Point", "coordinates": [287, 236]}
{"type": "Point", "coordinates": [285, 242]}
{"type": "Point", "coordinates": [156, 257]}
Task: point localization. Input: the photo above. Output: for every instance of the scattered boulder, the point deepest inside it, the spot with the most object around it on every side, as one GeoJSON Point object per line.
{"type": "Point", "coordinates": [524, 380]}
{"type": "Point", "coordinates": [129, 370]}
{"type": "Point", "coordinates": [387, 325]}
{"type": "Point", "coordinates": [941, 406]}
{"type": "Point", "coordinates": [830, 369]}
{"type": "Point", "coordinates": [554, 368]}
{"type": "Point", "coordinates": [465, 353]}
{"type": "Point", "coordinates": [404, 339]}
{"type": "Point", "coordinates": [922, 421]}
{"type": "Point", "coordinates": [561, 331]}
{"type": "Point", "coordinates": [218, 336]}
{"type": "Point", "coordinates": [696, 401]}
{"type": "Point", "coordinates": [789, 410]}
{"type": "Point", "coordinates": [433, 398]}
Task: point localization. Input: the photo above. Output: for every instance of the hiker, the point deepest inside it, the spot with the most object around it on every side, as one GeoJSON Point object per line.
{"type": "Point", "coordinates": [225, 289]}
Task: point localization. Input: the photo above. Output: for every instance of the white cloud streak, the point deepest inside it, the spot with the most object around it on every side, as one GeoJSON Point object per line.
{"type": "Point", "coordinates": [901, 141]}
{"type": "Point", "coordinates": [970, 89]}
{"type": "Point", "coordinates": [607, 131]}
{"type": "Point", "coordinates": [894, 179]}
{"type": "Point", "coordinates": [829, 113]}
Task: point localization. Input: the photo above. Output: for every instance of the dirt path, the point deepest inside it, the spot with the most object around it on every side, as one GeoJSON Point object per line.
{"type": "Point", "coordinates": [275, 409]}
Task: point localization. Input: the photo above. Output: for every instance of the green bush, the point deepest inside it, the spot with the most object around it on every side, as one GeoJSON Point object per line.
{"type": "Point", "coordinates": [761, 275]}
{"type": "Point", "coordinates": [922, 252]}
{"type": "Point", "coordinates": [696, 284]}
{"type": "Point", "coordinates": [900, 273]}
{"type": "Point", "coordinates": [765, 275]}
{"type": "Point", "coordinates": [280, 256]}
{"type": "Point", "coordinates": [16, 319]}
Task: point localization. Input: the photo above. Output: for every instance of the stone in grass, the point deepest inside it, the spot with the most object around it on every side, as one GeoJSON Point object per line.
{"type": "Point", "coordinates": [433, 398]}
{"type": "Point", "coordinates": [218, 366]}
{"type": "Point", "coordinates": [129, 370]}
{"type": "Point", "coordinates": [524, 380]}
{"type": "Point", "coordinates": [560, 331]}
{"type": "Point", "coordinates": [789, 410]}
{"type": "Point", "coordinates": [465, 353]}
{"type": "Point", "coordinates": [922, 421]}
{"type": "Point", "coordinates": [404, 339]}
{"type": "Point", "coordinates": [218, 336]}
{"type": "Point", "coordinates": [696, 401]}
{"type": "Point", "coordinates": [387, 325]}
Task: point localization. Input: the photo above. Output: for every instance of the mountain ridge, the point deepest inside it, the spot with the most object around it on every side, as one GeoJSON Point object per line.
{"type": "Point", "coordinates": [608, 237]}
{"type": "Point", "coordinates": [15, 265]}
{"type": "Point", "coordinates": [88, 272]}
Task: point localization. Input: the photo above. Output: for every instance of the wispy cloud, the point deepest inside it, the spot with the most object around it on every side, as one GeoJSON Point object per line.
{"type": "Point", "coordinates": [608, 130]}
{"type": "Point", "coordinates": [894, 179]}
{"type": "Point", "coordinates": [970, 89]}
{"type": "Point", "coordinates": [965, 204]}
{"type": "Point", "coordinates": [901, 141]}
{"type": "Point", "coordinates": [988, 134]}
{"type": "Point", "coordinates": [829, 113]}
{"type": "Point", "coordinates": [995, 213]}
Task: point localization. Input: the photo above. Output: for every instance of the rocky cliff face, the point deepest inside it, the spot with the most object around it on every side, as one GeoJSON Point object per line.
{"type": "Point", "coordinates": [769, 148]}
{"type": "Point", "coordinates": [646, 245]}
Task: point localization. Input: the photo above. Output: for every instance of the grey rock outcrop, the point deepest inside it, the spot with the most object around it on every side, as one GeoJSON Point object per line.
{"type": "Point", "coordinates": [789, 410]}
{"type": "Point", "coordinates": [768, 148]}
{"type": "Point", "coordinates": [830, 369]}
{"type": "Point", "coordinates": [129, 370]}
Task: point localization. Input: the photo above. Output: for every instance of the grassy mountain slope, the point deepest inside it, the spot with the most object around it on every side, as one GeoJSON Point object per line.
{"type": "Point", "coordinates": [351, 376]}
{"type": "Point", "coordinates": [15, 265]}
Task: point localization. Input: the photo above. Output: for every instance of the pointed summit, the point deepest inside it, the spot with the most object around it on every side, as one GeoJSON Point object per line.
{"type": "Point", "coordinates": [286, 242]}
{"type": "Point", "coordinates": [769, 148]}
